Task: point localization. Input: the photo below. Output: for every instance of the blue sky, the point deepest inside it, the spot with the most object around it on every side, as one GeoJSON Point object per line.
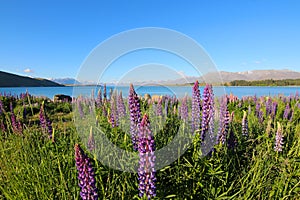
{"type": "Point", "coordinates": [53, 38]}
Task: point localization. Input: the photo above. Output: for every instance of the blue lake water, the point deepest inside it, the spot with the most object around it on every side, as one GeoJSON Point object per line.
{"type": "Point", "coordinates": [179, 91]}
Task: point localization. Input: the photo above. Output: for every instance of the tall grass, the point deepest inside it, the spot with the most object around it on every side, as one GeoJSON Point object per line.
{"type": "Point", "coordinates": [32, 166]}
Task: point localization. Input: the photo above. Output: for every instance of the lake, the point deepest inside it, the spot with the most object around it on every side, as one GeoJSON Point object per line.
{"type": "Point", "coordinates": [179, 91]}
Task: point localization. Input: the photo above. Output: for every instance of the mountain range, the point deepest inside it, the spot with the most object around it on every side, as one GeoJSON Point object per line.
{"type": "Point", "coordinates": [66, 81]}
{"type": "Point", "coordinates": [13, 80]}
{"type": "Point", "coordinates": [223, 77]}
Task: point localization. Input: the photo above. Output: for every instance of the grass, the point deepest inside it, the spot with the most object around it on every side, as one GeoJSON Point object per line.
{"type": "Point", "coordinates": [35, 167]}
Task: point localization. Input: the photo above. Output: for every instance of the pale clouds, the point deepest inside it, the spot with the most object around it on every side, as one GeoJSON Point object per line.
{"type": "Point", "coordinates": [28, 70]}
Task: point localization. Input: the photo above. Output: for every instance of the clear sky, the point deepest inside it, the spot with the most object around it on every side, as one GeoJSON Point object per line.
{"type": "Point", "coordinates": [52, 38]}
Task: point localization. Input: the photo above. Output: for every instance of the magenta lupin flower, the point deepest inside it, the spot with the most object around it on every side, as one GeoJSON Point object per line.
{"type": "Point", "coordinates": [135, 116]}
{"type": "Point", "coordinates": [278, 139]}
{"type": "Point", "coordinates": [146, 170]}
{"type": "Point", "coordinates": [86, 175]}
{"type": "Point", "coordinates": [224, 122]}
{"type": "Point", "coordinates": [196, 107]}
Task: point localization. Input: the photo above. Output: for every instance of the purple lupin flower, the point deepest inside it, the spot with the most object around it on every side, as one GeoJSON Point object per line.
{"type": "Point", "coordinates": [146, 170]}
{"type": "Point", "coordinates": [45, 122]}
{"type": "Point", "coordinates": [159, 107]}
{"type": "Point", "coordinates": [135, 115]}
{"type": "Point", "coordinates": [121, 105]}
{"type": "Point", "coordinates": [99, 98]}
{"type": "Point", "coordinates": [287, 112]}
{"type": "Point", "coordinates": [104, 110]}
{"type": "Point", "coordinates": [257, 108]}
{"type": "Point", "coordinates": [274, 109]}
{"type": "Point", "coordinates": [86, 175]}
{"type": "Point", "coordinates": [104, 93]}
{"type": "Point", "coordinates": [232, 140]}
{"type": "Point", "coordinates": [80, 109]}
{"type": "Point", "coordinates": [245, 125]}
{"type": "Point", "coordinates": [166, 105]}
{"type": "Point", "coordinates": [260, 116]}
{"type": "Point", "coordinates": [224, 122]}
{"type": "Point", "coordinates": [268, 104]}
{"type": "Point", "coordinates": [14, 122]}
{"type": "Point", "coordinates": [196, 107]}
{"type": "Point", "coordinates": [184, 114]}
{"type": "Point", "coordinates": [91, 141]}
{"type": "Point", "coordinates": [114, 111]}
{"type": "Point", "coordinates": [1, 107]}
{"type": "Point", "coordinates": [278, 139]}
{"type": "Point", "coordinates": [207, 113]}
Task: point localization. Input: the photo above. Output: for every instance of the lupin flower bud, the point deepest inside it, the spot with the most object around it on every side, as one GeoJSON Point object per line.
{"type": "Point", "coordinates": [146, 170]}
{"type": "Point", "coordinates": [278, 139]}
{"type": "Point", "coordinates": [245, 125]}
{"type": "Point", "coordinates": [86, 175]}
{"type": "Point", "coordinates": [135, 115]}
{"type": "Point", "coordinates": [91, 140]}
{"type": "Point", "coordinates": [196, 108]}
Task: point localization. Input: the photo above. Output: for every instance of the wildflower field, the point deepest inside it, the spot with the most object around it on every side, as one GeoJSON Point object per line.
{"type": "Point", "coordinates": [253, 146]}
